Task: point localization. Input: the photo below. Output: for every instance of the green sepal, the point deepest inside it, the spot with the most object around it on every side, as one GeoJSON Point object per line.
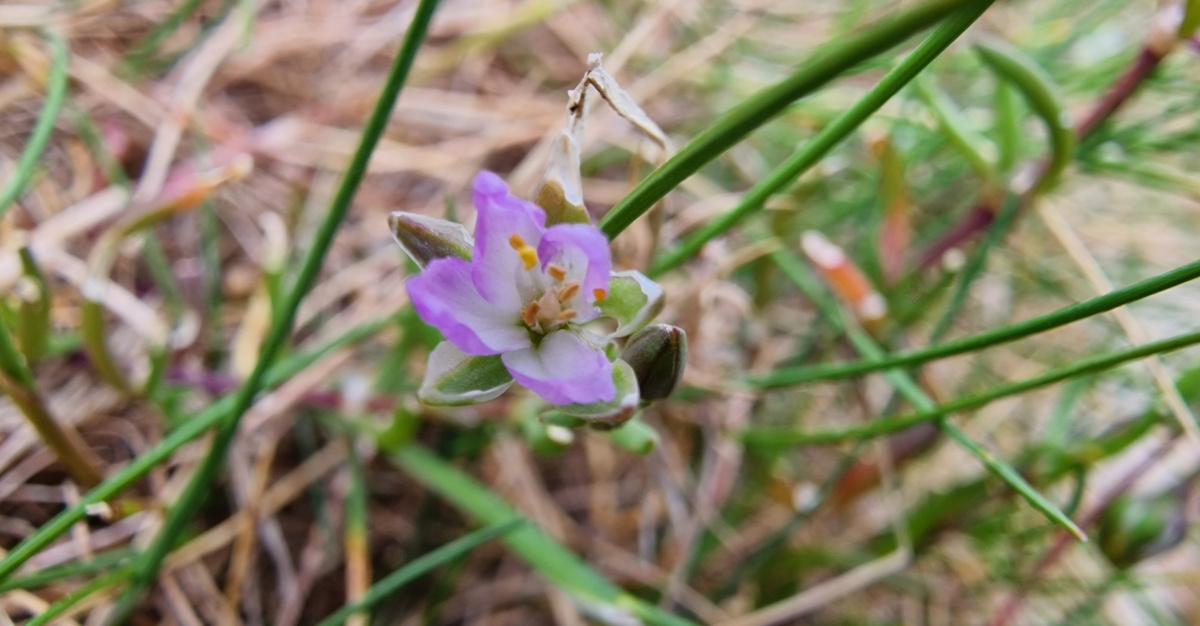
{"type": "Point", "coordinates": [455, 379]}
{"type": "Point", "coordinates": [426, 239]}
{"type": "Point", "coordinates": [560, 210]}
{"type": "Point", "coordinates": [632, 301]}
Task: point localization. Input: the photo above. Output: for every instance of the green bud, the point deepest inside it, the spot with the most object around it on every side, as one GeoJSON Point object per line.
{"type": "Point", "coordinates": [657, 354]}
{"type": "Point", "coordinates": [1136, 528]}
{"type": "Point", "coordinates": [425, 238]}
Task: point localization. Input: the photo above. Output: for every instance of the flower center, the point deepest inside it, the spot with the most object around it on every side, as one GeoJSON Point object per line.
{"type": "Point", "coordinates": [556, 305]}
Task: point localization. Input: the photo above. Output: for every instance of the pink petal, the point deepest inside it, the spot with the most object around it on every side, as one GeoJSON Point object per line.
{"type": "Point", "coordinates": [563, 369]}
{"type": "Point", "coordinates": [498, 272]}
{"type": "Point", "coordinates": [444, 295]}
{"type": "Point", "coordinates": [582, 250]}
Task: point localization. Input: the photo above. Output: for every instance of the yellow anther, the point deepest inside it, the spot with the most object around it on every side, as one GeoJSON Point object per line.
{"type": "Point", "coordinates": [557, 273]}
{"type": "Point", "coordinates": [600, 295]}
{"type": "Point", "coordinates": [528, 255]}
{"type": "Point", "coordinates": [569, 291]}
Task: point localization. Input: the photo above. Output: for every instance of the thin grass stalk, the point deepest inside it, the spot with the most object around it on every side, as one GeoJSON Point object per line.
{"type": "Point", "coordinates": [188, 431]}
{"type": "Point", "coordinates": [1084, 367]}
{"type": "Point", "coordinates": [390, 584]}
{"type": "Point", "coordinates": [99, 563]}
{"type": "Point", "coordinates": [826, 140]}
{"type": "Point", "coordinates": [56, 94]}
{"type": "Point", "coordinates": [1067, 315]}
{"type": "Point", "coordinates": [825, 64]}
{"type": "Point", "coordinates": [147, 567]}
{"type": "Point", "coordinates": [907, 387]}
{"type": "Point", "coordinates": [18, 383]}
{"type": "Point", "coordinates": [60, 608]}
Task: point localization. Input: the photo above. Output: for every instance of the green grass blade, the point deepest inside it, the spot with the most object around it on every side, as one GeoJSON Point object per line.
{"type": "Point", "coordinates": [188, 431]}
{"type": "Point", "coordinates": [97, 585]}
{"type": "Point", "coordinates": [147, 566]}
{"type": "Point", "coordinates": [829, 137]}
{"type": "Point", "coordinates": [907, 387]}
{"type": "Point", "coordinates": [56, 94]}
{"type": "Point", "coordinates": [557, 564]}
{"type": "Point", "coordinates": [1042, 95]}
{"type": "Point", "coordinates": [1083, 310]}
{"type": "Point", "coordinates": [393, 582]}
{"type": "Point", "coordinates": [1084, 367]}
{"type": "Point", "coordinates": [827, 63]}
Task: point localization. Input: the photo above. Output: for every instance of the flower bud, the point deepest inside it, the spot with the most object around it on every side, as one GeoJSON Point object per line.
{"type": "Point", "coordinates": [425, 238]}
{"type": "Point", "coordinates": [657, 354]}
{"type": "Point", "coordinates": [1136, 528]}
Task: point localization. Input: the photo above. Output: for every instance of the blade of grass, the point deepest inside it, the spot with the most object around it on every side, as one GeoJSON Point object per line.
{"type": "Point", "coordinates": [829, 137]}
{"type": "Point", "coordinates": [1013, 332]}
{"type": "Point", "coordinates": [824, 65]}
{"type": "Point", "coordinates": [905, 385]}
{"type": "Point", "coordinates": [147, 566]}
{"type": "Point", "coordinates": [556, 563]}
{"type": "Point", "coordinates": [101, 562]}
{"type": "Point", "coordinates": [56, 93]}
{"type": "Point", "coordinates": [17, 382]}
{"type": "Point", "coordinates": [1084, 367]}
{"type": "Point", "coordinates": [393, 582]}
{"type": "Point", "coordinates": [97, 585]}
{"type": "Point", "coordinates": [190, 430]}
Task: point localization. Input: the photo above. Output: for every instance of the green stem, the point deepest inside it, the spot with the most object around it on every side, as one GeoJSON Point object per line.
{"type": "Point", "coordinates": [191, 429]}
{"type": "Point", "coordinates": [826, 140]}
{"type": "Point", "coordinates": [789, 437]}
{"type": "Point", "coordinates": [56, 93]}
{"type": "Point", "coordinates": [1020, 330]}
{"type": "Point", "coordinates": [824, 65]}
{"type": "Point", "coordinates": [907, 387]}
{"type": "Point", "coordinates": [147, 566]}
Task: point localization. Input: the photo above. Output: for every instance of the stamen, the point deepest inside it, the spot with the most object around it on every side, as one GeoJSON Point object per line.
{"type": "Point", "coordinates": [529, 256]}
{"type": "Point", "coordinates": [557, 272]}
{"type": "Point", "coordinates": [569, 291]}
{"type": "Point", "coordinates": [568, 315]}
{"type": "Point", "coordinates": [530, 314]}
{"type": "Point", "coordinates": [600, 295]}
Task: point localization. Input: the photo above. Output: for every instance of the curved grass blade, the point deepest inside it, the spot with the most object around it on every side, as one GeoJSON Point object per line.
{"type": "Point", "coordinates": [1042, 95]}
{"type": "Point", "coordinates": [56, 93]}
{"type": "Point", "coordinates": [393, 582]}
{"type": "Point", "coordinates": [1075, 312]}
{"type": "Point", "coordinates": [826, 140]}
{"type": "Point", "coordinates": [827, 63]}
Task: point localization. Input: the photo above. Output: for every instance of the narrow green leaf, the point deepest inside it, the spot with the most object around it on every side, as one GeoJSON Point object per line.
{"type": "Point", "coordinates": [1075, 312]}
{"type": "Point", "coordinates": [887, 426]}
{"type": "Point", "coordinates": [829, 137]}
{"type": "Point", "coordinates": [824, 65]}
{"type": "Point", "coordinates": [1042, 95]}
{"type": "Point", "coordinates": [56, 93]}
